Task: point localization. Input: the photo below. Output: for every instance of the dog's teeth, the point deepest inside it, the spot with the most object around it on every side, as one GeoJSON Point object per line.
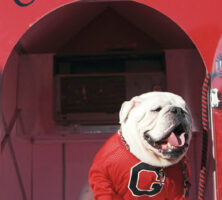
{"type": "Point", "coordinates": [169, 145]}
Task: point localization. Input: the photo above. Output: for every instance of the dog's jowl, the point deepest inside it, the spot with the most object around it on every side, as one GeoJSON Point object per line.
{"type": "Point", "coordinates": [145, 159]}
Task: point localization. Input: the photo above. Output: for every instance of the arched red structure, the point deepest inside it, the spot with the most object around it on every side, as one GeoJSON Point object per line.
{"type": "Point", "coordinates": [194, 18]}
{"type": "Point", "coordinates": [31, 32]}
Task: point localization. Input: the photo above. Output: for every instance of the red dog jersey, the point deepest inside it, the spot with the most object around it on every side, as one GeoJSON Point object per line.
{"type": "Point", "coordinates": [116, 174]}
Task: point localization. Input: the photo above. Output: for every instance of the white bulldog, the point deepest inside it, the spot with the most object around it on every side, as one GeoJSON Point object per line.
{"type": "Point", "coordinates": [157, 127]}
{"type": "Point", "coordinates": [154, 136]}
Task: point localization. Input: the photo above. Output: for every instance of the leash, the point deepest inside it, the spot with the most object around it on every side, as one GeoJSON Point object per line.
{"type": "Point", "coordinates": [205, 125]}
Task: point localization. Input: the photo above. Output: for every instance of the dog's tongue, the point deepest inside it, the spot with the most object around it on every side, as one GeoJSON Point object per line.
{"type": "Point", "coordinates": [176, 140]}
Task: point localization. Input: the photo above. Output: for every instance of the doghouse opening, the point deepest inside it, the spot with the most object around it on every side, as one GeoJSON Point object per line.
{"type": "Point", "coordinates": [67, 77]}
{"type": "Point", "coordinates": [89, 89]}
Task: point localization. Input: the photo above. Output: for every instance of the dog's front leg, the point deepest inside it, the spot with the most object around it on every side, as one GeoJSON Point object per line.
{"type": "Point", "coordinates": [101, 184]}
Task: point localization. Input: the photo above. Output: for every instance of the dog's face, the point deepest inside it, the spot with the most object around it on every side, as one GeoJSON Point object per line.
{"type": "Point", "coordinates": [157, 127]}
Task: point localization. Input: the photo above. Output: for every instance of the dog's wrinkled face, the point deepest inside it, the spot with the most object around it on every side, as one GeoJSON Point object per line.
{"type": "Point", "coordinates": [157, 125]}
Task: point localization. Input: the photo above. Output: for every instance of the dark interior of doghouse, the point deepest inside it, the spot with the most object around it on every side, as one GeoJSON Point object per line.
{"type": "Point", "coordinates": [66, 79]}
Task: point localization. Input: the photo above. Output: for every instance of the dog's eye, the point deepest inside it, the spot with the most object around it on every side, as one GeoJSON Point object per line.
{"type": "Point", "coordinates": [157, 109]}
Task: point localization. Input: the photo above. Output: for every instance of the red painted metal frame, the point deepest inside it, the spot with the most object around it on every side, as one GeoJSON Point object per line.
{"type": "Point", "coordinates": [200, 20]}
{"type": "Point", "coordinates": [216, 78]}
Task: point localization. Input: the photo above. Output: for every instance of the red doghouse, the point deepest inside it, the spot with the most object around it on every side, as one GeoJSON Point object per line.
{"type": "Point", "coordinates": [66, 67]}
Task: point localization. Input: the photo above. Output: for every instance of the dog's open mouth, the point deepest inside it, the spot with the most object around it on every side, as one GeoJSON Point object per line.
{"type": "Point", "coordinates": [173, 144]}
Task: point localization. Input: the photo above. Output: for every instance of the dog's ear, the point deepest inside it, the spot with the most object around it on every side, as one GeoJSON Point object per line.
{"type": "Point", "coordinates": [126, 107]}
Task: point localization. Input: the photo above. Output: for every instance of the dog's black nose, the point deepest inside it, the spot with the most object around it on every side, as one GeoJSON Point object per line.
{"type": "Point", "coordinates": [176, 110]}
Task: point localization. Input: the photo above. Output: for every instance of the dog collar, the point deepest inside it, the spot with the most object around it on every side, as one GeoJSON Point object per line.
{"type": "Point", "coordinates": [123, 140]}
{"type": "Point", "coordinates": [161, 171]}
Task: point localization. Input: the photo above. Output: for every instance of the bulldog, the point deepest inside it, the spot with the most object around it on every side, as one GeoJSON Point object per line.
{"type": "Point", "coordinates": [145, 159]}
